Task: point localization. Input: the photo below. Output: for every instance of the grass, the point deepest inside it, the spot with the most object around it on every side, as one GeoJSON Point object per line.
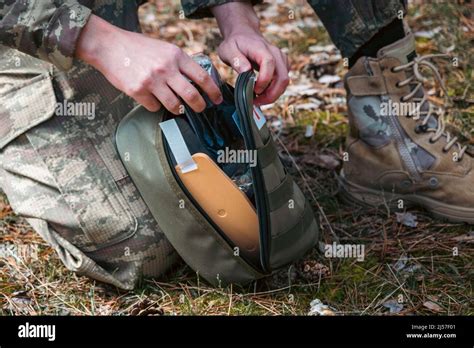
{"type": "Point", "coordinates": [427, 269]}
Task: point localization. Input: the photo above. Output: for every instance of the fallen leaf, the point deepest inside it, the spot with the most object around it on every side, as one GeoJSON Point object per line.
{"type": "Point", "coordinates": [322, 48]}
{"type": "Point", "coordinates": [329, 79]}
{"type": "Point", "coordinates": [433, 306]}
{"type": "Point", "coordinates": [401, 263]}
{"type": "Point", "coordinates": [407, 219]}
{"type": "Point", "coordinates": [318, 308]}
{"type": "Point", "coordinates": [428, 34]}
{"type": "Point", "coordinates": [323, 161]}
{"type": "Point", "coordinates": [393, 306]}
{"type": "Point", "coordinates": [308, 106]}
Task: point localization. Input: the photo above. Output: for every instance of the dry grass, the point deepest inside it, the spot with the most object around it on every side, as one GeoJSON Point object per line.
{"type": "Point", "coordinates": [428, 278]}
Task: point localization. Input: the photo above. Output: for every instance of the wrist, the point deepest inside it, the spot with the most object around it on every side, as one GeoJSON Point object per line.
{"type": "Point", "coordinates": [93, 40]}
{"type": "Point", "coordinates": [236, 17]}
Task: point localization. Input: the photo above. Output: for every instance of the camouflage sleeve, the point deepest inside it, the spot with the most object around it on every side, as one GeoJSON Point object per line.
{"type": "Point", "coordinates": [46, 29]}
{"type": "Point", "coordinates": [200, 9]}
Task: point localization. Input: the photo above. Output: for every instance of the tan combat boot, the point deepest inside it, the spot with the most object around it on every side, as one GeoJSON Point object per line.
{"type": "Point", "coordinates": [398, 149]}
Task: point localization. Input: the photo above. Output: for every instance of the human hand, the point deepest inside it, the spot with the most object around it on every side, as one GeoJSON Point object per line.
{"type": "Point", "coordinates": [244, 47]}
{"type": "Point", "coordinates": [153, 72]}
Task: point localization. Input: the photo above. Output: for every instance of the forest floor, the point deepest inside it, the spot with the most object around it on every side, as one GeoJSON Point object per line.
{"type": "Point", "coordinates": [422, 268]}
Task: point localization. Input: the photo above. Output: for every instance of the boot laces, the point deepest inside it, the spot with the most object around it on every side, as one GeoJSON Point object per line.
{"type": "Point", "coordinates": [417, 80]}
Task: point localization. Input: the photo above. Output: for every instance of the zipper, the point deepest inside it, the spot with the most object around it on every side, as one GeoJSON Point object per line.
{"type": "Point", "coordinates": [399, 137]}
{"type": "Point", "coordinates": [402, 146]}
{"type": "Point", "coordinates": [257, 175]}
{"type": "Point", "coordinates": [203, 213]}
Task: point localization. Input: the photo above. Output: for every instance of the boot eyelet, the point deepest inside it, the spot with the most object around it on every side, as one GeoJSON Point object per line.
{"type": "Point", "coordinates": [420, 129]}
{"type": "Point", "coordinates": [405, 184]}
{"type": "Point", "coordinates": [398, 85]}
{"type": "Point", "coordinates": [431, 141]}
{"type": "Point", "coordinates": [433, 182]}
{"type": "Point", "coordinates": [392, 70]}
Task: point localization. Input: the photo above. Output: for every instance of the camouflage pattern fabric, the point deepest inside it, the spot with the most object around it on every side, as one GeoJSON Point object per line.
{"type": "Point", "coordinates": [350, 23]}
{"type": "Point", "coordinates": [373, 128]}
{"type": "Point", "coordinates": [57, 25]}
{"type": "Point", "coordinates": [414, 167]}
{"type": "Point", "coordinates": [49, 29]}
{"type": "Point", "coordinates": [65, 176]}
{"type": "Point", "coordinates": [200, 9]}
{"type": "Point", "coordinates": [60, 169]}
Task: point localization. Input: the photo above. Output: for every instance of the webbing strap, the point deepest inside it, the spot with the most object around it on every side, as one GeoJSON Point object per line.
{"type": "Point", "coordinates": [282, 194]}
{"type": "Point", "coordinates": [178, 146]}
{"type": "Point", "coordinates": [267, 154]}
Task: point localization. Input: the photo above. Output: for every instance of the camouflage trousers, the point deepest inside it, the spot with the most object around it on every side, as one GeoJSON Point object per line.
{"type": "Point", "coordinates": [65, 177]}
{"type": "Point", "coordinates": [351, 23]}
{"type": "Point", "coordinates": [63, 174]}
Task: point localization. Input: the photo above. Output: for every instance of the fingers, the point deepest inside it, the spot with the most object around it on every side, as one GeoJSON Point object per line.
{"type": "Point", "coordinates": [149, 102]}
{"type": "Point", "coordinates": [167, 81]}
{"type": "Point", "coordinates": [231, 55]}
{"type": "Point", "coordinates": [197, 74]}
{"type": "Point", "coordinates": [265, 73]}
{"type": "Point", "coordinates": [187, 92]}
{"type": "Point", "coordinates": [271, 62]}
{"type": "Point", "coordinates": [166, 96]}
{"type": "Point", "coordinates": [260, 53]}
{"type": "Point", "coordinates": [279, 81]}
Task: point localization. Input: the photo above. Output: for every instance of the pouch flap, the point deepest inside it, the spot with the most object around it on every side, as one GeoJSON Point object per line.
{"type": "Point", "coordinates": [141, 146]}
{"type": "Point", "coordinates": [288, 228]}
{"type": "Point", "coordinates": [24, 106]}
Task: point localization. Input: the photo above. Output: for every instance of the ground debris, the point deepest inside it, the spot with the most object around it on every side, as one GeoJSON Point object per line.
{"type": "Point", "coordinates": [393, 306]}
{"type": "Point", "coordinates": [407, 219]}
{"type": "Point", "coordinates": [318, 308]}
{"type": "Point", "coordinates": [326, 161]}
{"type": "Point", "coordinates": [314, 271]}
{"type": "Point", "coordinates": [146, 307]}
{"type": "Point", "coordinates": [433, 306]}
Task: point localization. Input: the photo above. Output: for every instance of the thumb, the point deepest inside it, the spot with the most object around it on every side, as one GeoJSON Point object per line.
{"type": "Point", "coordinates": [231, 55]}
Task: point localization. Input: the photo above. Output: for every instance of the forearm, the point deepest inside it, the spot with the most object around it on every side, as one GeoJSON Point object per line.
{"type": "Point", "coordinates": [236, 16]}
{"type": "Point", "coordinates": [43, 29]}
{"type": "Point", "coordinates": [95, 38]}
{"type": "Point", "coordinates": [153, 72]}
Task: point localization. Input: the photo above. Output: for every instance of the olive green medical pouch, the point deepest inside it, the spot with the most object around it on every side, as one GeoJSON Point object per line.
{"type": "Point", "coordinates": [287, 226]}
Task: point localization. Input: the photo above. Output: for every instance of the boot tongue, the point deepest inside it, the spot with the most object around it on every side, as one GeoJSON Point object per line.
{"type": "Point", "coordinates": [403, 49]}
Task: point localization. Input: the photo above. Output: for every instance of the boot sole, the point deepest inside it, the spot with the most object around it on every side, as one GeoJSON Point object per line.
{"type": "Point", "coordinates": [355, 194]}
